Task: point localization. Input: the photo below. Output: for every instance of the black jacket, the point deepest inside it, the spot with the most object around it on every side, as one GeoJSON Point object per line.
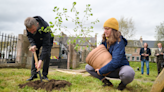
{"type": "Point", "coordinates": [148, 52]}
{"type": "Point", "coordinates": [41, 39]}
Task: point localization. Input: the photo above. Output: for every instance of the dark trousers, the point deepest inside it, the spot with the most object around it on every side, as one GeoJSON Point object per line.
{"type": "Point", "coordinates": [159, 67]}
{"type": "Point", "coordinates": [45, 64]}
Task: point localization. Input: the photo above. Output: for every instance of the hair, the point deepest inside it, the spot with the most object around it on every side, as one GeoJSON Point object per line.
{"type": "Point", "coordinates": [159, 43]}
{"type": "Point", "coordinates": [147, 45]}
{"type": "Point", "coordinates": [30, 21]}
{"type": "Point", "coordinates": [114, 36]}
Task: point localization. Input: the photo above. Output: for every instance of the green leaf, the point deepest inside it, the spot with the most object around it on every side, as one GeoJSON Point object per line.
{"type": "Point", "coordinates": [42, 28]}
{"type": "Point", "coordinates": [77, 17]}
{"type": "Point", "coordinates": [50, 22]}
{"type": "Point", "coordinates": [52, 35]}
{"type": "Point", "coordinates": [67, 42]}
{"type": "Point", "coordinates": [55, 7]}
{"type": "Point", "coordinates": [66, 19]}
{"type": "Point", "coordinates": [74, 41]}
{"type": "Point", "coordinates": [74, 3]}
{"type": "Point", "coordinates": [40, 31]}
{"type": "Point", "coordinates": [55, 29]}
{"type": "Point", "coordinates": [56, 17]}
{"type": "Point", "coordinates": [51, 26]}
{"type": "Point", "coordinates": [91, 14]}
{"type": "Point", "coordinates": [91, 27]}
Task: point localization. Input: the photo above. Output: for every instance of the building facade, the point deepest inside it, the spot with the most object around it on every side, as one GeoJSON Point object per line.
{"type": "Point", "coordinates": [134, 46]}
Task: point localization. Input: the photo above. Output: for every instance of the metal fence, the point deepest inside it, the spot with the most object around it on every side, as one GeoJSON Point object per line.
{"type": "Point", "coordinates": [8, 47]}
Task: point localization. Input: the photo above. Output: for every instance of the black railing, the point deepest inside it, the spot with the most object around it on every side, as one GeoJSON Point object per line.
{"type": "Point", "coordinates": [8, 47]}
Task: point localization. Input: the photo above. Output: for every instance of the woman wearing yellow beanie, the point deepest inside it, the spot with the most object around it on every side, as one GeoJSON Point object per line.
{"type": "Point", "coordinates": [119, 65]}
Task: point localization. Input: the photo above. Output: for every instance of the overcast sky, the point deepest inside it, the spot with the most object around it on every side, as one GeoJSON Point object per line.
{"type": "Point", "coordinates": [146, 14]}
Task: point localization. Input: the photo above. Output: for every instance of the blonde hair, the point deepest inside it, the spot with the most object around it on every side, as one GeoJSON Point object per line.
{"type": "Point", "coordinates": [30, 21]}
{"type": "Point", "coordinates": [114, 36]}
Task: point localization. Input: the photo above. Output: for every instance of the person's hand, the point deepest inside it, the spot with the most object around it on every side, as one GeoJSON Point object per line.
{"type": "Point", "coordinates": [157, 54]}
{"type": "Point", "coordinates": [161, 53]}
{"type": "Point", "coordinates": [39, 64]}
{"type": "Point", "coordinates": [142, 54]}
{"type": "Point", "coordinates": [146, 54]}
{"type": "Point", "coordinates": [97, 70]}
{"type": "Point", "coordinates": [32, 48]}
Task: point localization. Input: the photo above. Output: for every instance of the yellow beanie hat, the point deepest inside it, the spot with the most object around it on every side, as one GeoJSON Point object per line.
{"type": "Point", "coordinates": [112, 23]}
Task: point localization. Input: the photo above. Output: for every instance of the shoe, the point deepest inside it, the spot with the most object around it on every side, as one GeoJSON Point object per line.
{"type": "Point", "coordinates": [121, 86]}
{"type": "Point", "coordinates": [32, 77]}
{"type": "Point", "coordinates": [107, 83]}
{"type": "Point", "coordinates": [44, 77]}
{"type": "Point", "coordinates": [148, 74]}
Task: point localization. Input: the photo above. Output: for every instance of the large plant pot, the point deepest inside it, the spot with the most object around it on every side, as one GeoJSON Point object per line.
{"type": "Point", "coordinates": [99, 57]}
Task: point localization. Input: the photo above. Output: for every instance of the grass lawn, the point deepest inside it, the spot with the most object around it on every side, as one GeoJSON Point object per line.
{"type": "Point", "coordinates": [10, 78]}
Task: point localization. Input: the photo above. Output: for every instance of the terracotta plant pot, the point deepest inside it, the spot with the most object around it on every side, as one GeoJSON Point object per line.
{"type": "Point", "coordinates": [99, 57]}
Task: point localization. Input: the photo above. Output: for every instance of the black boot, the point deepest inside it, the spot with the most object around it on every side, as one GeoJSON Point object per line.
{"type": "Point", "coordinates": [32, 77]}
{"type": "Point", "coordinates": [107, 83]}
{"type": "Point", "coordinates": [45, 77]}
{"type": "Point", "coordinates": [121, 86]}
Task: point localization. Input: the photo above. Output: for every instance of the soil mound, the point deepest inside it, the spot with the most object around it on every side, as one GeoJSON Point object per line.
{"type": "Point", "coordinates": [49, 86]}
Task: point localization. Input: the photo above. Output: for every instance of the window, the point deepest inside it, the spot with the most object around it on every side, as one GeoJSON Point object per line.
{"type": "Point", "coordinates": [135, 50]}
{"type": "Point", "coordinates": [132, 58]}
{"type": "Point", "coordinates": [137, 58]}
{"type": "Point", "coordinates": [136, 43]}
{"type": "Point", "coordinates": [128, 58]}
{"type": "Point", "coordinates": [79, 41]}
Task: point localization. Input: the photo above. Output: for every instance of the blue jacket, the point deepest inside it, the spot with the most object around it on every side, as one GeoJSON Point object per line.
{"type": "Point", "coordinates": [148, 52]}
{"type": "Point", "coordinates": [117, 50]}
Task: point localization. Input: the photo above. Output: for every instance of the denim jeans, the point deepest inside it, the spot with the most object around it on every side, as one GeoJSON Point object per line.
{"type": "Point", "coordinates": [142, 66]}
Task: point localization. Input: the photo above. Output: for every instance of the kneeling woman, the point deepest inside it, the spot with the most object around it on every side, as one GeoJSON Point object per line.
{"type": "Point", "coordinates": [118, 67]}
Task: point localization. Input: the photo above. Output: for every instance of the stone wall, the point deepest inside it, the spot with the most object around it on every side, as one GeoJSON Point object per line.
{"type": "Point", "coordinates": [24, 56]}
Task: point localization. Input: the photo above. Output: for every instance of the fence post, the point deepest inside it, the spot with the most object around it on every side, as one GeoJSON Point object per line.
{"type": "Point", "coordinates": [69, 57]}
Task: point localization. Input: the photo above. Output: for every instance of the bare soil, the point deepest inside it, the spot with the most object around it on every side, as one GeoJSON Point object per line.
{"type": "Point", "coordinates": [49, 86]}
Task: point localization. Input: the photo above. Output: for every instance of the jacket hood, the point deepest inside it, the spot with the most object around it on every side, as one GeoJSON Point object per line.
{"type": "Point", "coordinates": [41, 21]}
{"type": "Point", "coordinates": [125, 41]}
